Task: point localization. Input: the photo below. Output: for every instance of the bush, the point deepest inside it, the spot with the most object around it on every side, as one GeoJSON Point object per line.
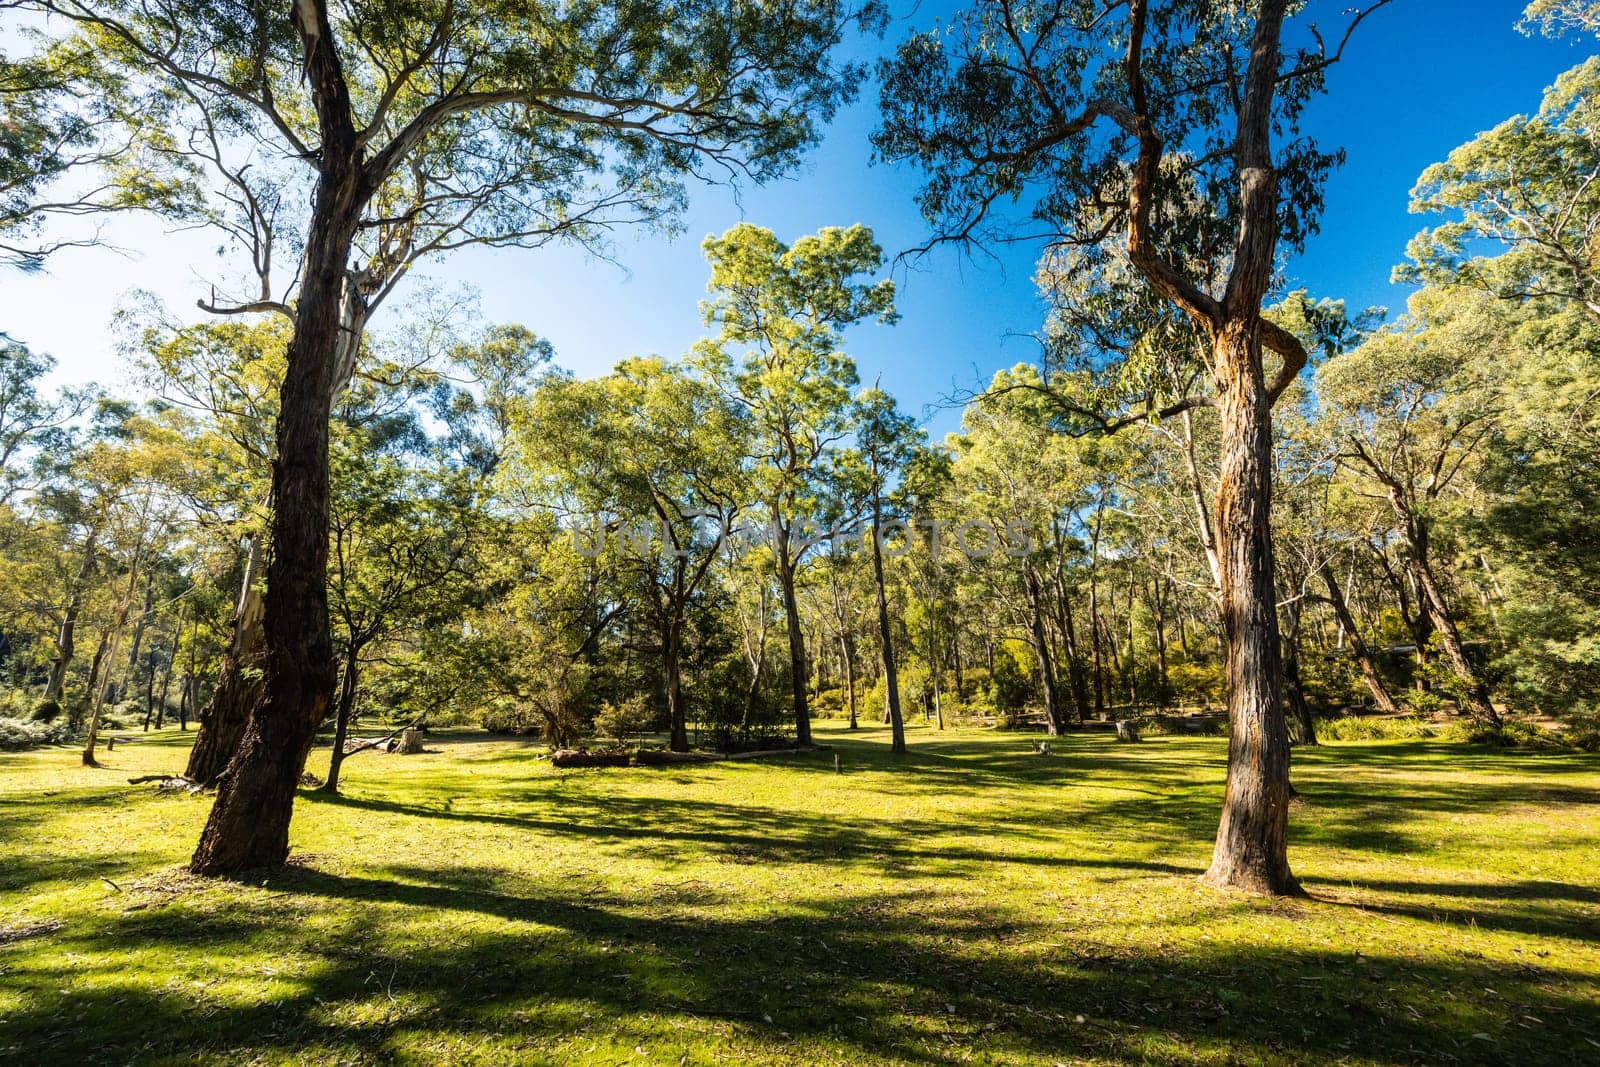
{"type": "Point", "coordinates": [828, 704]}
{"type": "Point", "coordinates": [511, 719]}
{"type": "Point", "coordinates": [1008, 689]}
{"type": "Point", "coordinates": [1195, 683]}
{"type": "Point", "coordinates": [1584, 734]}
{"type": "Point", "coordinates": [624, 718]}
{"type": "Point", "coordinates": [18, 734]}
{"type": "Point", "coordinates": [1374, 728]}
{"type": "Point", "coordinates": [1583, 730]}
{"type": "Point", "coordinates": [46, 711]}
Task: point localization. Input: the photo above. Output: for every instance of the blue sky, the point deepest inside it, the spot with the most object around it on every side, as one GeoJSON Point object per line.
{"type": "Point", "coordinates": [1419, 78]}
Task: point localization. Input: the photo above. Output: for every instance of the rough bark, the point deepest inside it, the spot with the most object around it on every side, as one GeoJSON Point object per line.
{"type": "Point", "coordinates": [249, 823]}
{"type": "Point", "coordinates": [1251, 850]}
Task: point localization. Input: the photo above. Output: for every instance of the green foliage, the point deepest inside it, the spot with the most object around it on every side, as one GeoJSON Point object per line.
{"type": "Point", "coordinates": [1528, 188]}
{"type": "Point", "coordinates": [1009, 688]}
{"type": "Point", "coordinates": [623, 720]}
{"type": "Point", "coordinates": [1557, 17]}
{"type": "Point", "coordinates": [1196, 683]}
{"type": "Point", "coordinates": [1374, 728]}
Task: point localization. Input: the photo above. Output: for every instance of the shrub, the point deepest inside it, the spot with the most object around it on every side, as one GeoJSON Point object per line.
{"type": "Point", "coordinates": [624, 718]}
{"type": "Point", "coordinates": [1008, 689]}
{"type": "Point", "coordinates": [828, 704]}
{"type": "Point", "coordinates": [1373, 728]}
{"type": "Point", "coordinates": [47, 711]}
{"type": "Point", "coordinates": [18, 734]}
{"type": "Point", "coordinates": [1519, 733]}
{"type": "Point", "coordinates": [1195, 683]}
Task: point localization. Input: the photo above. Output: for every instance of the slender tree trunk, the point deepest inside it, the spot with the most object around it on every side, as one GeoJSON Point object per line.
{"type": "Point", "coordinates": [91, 687]}
{"type": "Point", "coordinates": [1041, 649]}
{"type": "Point", "coordinates": [67, 632]}
{"type": "Point", "coordinates": [847, 652]}
{"type": "Point", "coordinates": [1358, 645]}
{"type": "Point", "coordinates": [1094, 615]}
{"type": "Point", "coordinates": [797, 637]}
{"type": "Point", "coordinates": [1075, 679]}
{"type": "Point", "coordinates": [166, 674]}
{"type": "Point", "coordinates": [1251, 850]}
{"type": "Point", "coordinates": [249, 823]}
{"type": "Point", "coordinates": [1433, 604]}
{"type": "Point", "coordinates": [1293, 691]}
{"type": "Point", "coordinates": [1132, 677]}
{"type": "Point", "coordinates": [1163, 683]}
{"type": "Point", "coordinates": [343, 717]}
{"type": "Point", "coordinates": [891, 679]}
{"type": "Point", "coordinates": [138, 642]}
{"type": "Point", "coordinates": [239, 680]}
{"type": "Point", "coordinates": [93, 734]}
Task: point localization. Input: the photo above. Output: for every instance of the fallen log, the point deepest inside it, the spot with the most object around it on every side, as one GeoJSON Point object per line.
{"type": "Point", "coordinates": [582, 757]}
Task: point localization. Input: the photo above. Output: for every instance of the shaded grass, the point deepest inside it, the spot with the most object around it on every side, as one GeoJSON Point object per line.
{"type": "Point", "coordinates": [970, 903]}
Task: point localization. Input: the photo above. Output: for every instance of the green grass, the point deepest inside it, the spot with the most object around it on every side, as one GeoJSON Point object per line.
{"type": "Point", "coordinates": [973, 903]}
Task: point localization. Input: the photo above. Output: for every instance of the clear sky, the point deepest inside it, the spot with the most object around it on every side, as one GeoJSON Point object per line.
{"type": "Point", "coordinates": [1419, 78]}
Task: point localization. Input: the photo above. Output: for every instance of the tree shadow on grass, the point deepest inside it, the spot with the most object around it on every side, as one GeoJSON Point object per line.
{"type": "Point", "coordinates": [749, 833]}
{"type": "Point", "coordinates": [482, 962]}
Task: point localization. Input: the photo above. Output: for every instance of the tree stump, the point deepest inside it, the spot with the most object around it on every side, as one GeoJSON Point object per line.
{"type": "Point", "coordinates": [409, 742]}
{"type": "Point", "coordinates": [1126, 730]}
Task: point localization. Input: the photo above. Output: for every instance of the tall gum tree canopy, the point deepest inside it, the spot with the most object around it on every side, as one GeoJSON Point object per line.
{"type": "Point", "coordinates": [1138, 129]}
{"type": "Point", "coordinates": [548, 119]}
{"type": "Point", "coordinates": [1530, 187]}
{"type": "Point", "coordinates": [780, 312]}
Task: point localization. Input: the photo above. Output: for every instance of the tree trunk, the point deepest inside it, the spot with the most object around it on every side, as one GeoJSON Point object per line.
{"type": "Point", "coordinates": [891, 680]}
{"type": "Point", "coordinates": [91, 686]}
{"type": "Point", "coordinates": [128, 676]}
{"type": "Point", "coordinates": [239, 680]}
{"type": "Point", "coordinates": [1251, 851]}
{"type": "Point", "coordinates": [1293, 691]}
{"type": "Point", "coordinates": [797, 637]}
{"type": "Point", "coordinates": [66, 634]}
{"type": "Point", "coordinates": [1041, 649]}
{"type": "Point", "coordinates": [1433, 604]}
{"type": "Point", "coordinates": [1094, 615]}
{"type": "Point", "coordinates": [1358, 645]}
{"type": "Point", "coordinates": [166, 673]}
{"type": "Point", "coordinates": [98, 698]}
{"type": "Point", "coordinates": [672, 675]}
{"type": "Point", "coordinates": [847, 652]}
{"type": "Point", "coordinates": [1163, 681]}
{"type": "Point", "coordinates": [249, 823]}
{"type": "Point", "coordinates": [343, 717]}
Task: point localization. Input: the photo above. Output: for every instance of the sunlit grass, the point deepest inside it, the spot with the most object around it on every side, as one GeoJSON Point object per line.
{"type": "Point", "coordinates": [972, 903]}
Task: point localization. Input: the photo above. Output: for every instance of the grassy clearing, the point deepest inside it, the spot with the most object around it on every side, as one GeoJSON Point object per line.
{"type": "Point", "coordinates": [974, 903]}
